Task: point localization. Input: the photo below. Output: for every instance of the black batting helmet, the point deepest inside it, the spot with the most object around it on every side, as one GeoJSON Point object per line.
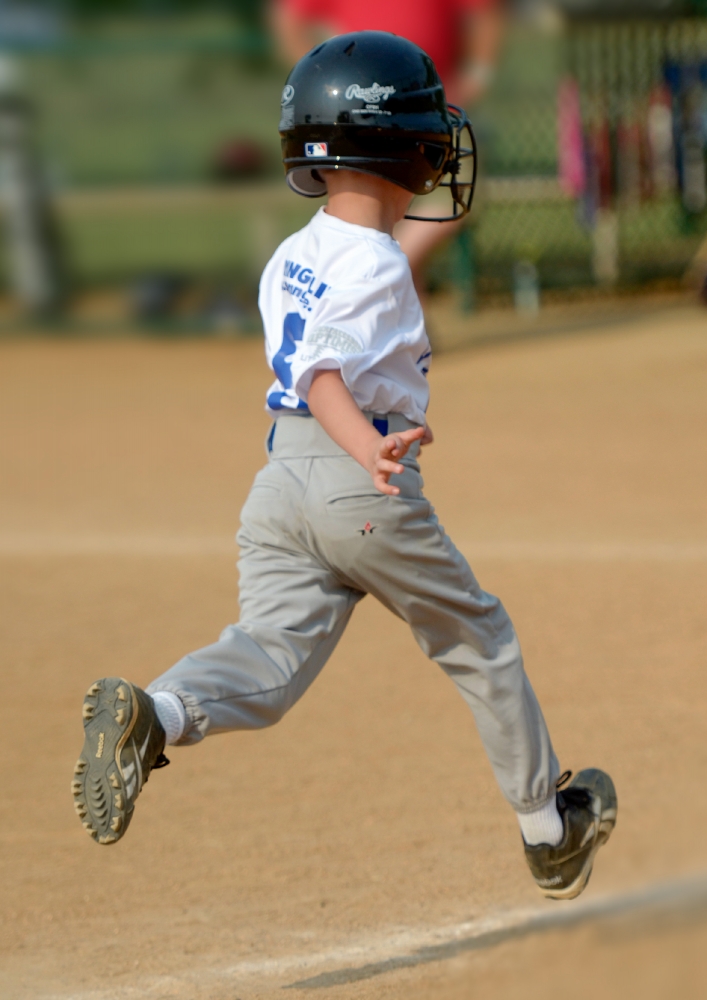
{"type": "Point", "coordinates": [373, 102]}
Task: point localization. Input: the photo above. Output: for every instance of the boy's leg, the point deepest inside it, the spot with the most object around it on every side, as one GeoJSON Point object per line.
{"type": "Point", "coordinates": [394, 548]}
{"type": "Point", "coordinates": [469, 634]}
{"type": "Point", "coordinates": [293, 613]}
{"type": "Point", "coordinates": [294, 610]}
{"type": "Point", "coordinates": [409, 563]}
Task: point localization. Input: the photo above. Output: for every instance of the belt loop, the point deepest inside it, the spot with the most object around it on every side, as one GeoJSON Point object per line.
{"type": "Point", "coordinates": [271, 437]}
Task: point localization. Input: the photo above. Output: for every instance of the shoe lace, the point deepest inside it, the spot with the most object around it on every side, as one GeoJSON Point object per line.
{"type": "Point", "coordinates": [161, 761]}
{"type": "Point", "coordinates": [571, 796]}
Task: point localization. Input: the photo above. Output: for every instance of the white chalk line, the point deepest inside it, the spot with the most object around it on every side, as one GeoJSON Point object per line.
{"type": "Point", "coordinates": [375, 954]}
{"type": "Point", "coordinates": [68, 544]}
{"type": "Point", "coordinates": [115, 545]}
{"type": "Point", "coordinates": [587, 551]}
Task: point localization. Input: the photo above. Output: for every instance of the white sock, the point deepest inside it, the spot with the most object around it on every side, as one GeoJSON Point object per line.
{"type": "Point", "coordinates": [544, 826]}
{"type": "Point", "coordinates": [171, 713]}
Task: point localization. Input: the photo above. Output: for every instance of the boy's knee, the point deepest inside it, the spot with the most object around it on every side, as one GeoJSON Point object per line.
{"type": "Point", "coordinates": [489, 639]}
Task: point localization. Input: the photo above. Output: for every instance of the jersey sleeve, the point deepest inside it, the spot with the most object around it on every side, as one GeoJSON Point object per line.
{"type": "Point", "coordinates": [359, 322]}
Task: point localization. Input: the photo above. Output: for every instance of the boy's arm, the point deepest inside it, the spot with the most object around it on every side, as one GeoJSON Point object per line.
{"type": "Point", "coordinates": [335, 408]}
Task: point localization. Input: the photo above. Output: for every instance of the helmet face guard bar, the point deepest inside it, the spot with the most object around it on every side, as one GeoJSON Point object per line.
{"type": "Point", "coordinates": [462, 191]}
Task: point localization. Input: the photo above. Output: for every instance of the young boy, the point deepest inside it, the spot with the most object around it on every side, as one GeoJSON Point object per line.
{"type": "Point", "coordinates": [339, 512]}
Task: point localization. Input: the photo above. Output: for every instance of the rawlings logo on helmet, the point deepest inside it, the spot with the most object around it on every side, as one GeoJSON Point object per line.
{"type": "Point", "coordinates": [369, 94]}
{"type": "Point", "coordinates": [287, 94]}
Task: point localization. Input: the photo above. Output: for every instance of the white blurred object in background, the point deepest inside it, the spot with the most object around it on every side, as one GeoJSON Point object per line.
{"type": "Point", "coordinates": [526, 288]}
{"type": "Point", "coordinates": [605, 249]}
{"type": "Point", "coordinates": [33, 246]}
{"type": "Point", "coordinates": [660, 140]}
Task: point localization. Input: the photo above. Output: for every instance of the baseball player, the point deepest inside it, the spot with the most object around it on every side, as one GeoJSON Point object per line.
{"type": "Point", "coordinates": [339, 512]}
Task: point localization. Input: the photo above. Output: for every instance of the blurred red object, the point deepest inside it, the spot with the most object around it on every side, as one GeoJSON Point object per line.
{"type": "Point", "coordinates": [437, 26]}
{"type": "Point", "coordinates": [602, 157]}
{"type": "Point", "coordinates": [628, 162]}
{"type": "Point", "coordinates": [572, 166]}
{"type": "Point", "coordinates": [239, 159]}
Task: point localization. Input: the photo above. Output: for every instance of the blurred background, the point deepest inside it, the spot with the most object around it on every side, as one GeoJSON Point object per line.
{"type": "Point", "coordinates": [140, 179]}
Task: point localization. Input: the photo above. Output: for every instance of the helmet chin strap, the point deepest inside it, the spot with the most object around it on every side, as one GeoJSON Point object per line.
{"type": "Point", "coordinates": [462, 192]}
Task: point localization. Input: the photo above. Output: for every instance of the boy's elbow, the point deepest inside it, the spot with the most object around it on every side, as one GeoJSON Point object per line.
{"type": "Point", "coordinates": [323, 381]}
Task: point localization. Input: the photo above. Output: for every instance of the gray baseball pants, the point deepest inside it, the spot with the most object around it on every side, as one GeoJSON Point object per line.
{"type": "Point", "coordinates": [316, 536]}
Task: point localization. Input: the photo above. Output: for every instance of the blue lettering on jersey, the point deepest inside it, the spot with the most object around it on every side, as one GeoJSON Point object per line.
{"type": "Point", "coordinates": [275, 402]}
{"type": "Point", "coordinates": [306, 281]}
{"type": "Point", "coordinates": [423, 357]}
{"type": "Point", "coordinates": [292, 331]}
{"type": "Point", "coordinates": [291, 269]}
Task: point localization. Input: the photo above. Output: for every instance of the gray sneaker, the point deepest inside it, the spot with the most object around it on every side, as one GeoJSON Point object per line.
{"type": "Point", "coordinates": [124, 742]}
{"type": "Point", "coordinates": [588, 810]}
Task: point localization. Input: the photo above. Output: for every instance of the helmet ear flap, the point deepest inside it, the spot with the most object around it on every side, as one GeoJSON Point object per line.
{"type": "Point", "coordinates": [307, 182]}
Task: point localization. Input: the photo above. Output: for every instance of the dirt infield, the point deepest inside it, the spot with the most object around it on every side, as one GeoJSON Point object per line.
{"type": "Point", "coordinates": [359, 849]}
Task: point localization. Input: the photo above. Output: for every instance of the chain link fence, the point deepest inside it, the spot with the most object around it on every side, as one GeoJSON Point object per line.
{"type": "Point", "coordinates": [594, 144]}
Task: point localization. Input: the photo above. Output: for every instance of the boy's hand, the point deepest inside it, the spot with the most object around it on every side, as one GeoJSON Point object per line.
{"type": "Point", "coordinates": [335, 408]}
{"type": "Point", "coordinates": [384, 459]}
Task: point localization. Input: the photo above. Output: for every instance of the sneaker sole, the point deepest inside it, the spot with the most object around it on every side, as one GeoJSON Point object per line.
{"type": "Point", "coordinates": [606, 824]}
{"type": "Point", "coordinates": [110, 711]}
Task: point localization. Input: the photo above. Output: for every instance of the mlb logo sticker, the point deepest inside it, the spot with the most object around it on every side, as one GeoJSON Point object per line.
{"type": "Point", "coordinates": [314, 149]}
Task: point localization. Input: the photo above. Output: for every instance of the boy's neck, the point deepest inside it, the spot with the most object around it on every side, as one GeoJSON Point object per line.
{"type": "Point", "coordinates": [365, 200]}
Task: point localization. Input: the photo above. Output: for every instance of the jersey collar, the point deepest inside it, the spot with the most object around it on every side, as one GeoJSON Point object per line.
{"type": "Point", "coordinates": [323, 220]}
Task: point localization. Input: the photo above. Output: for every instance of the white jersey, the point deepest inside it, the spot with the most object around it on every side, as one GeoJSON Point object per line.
{"type": "Point", "coordinates": [337, 295]}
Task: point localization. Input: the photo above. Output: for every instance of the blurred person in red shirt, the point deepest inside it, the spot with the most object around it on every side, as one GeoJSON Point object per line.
{"type": "Point", "coordinates": [462, 37]}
